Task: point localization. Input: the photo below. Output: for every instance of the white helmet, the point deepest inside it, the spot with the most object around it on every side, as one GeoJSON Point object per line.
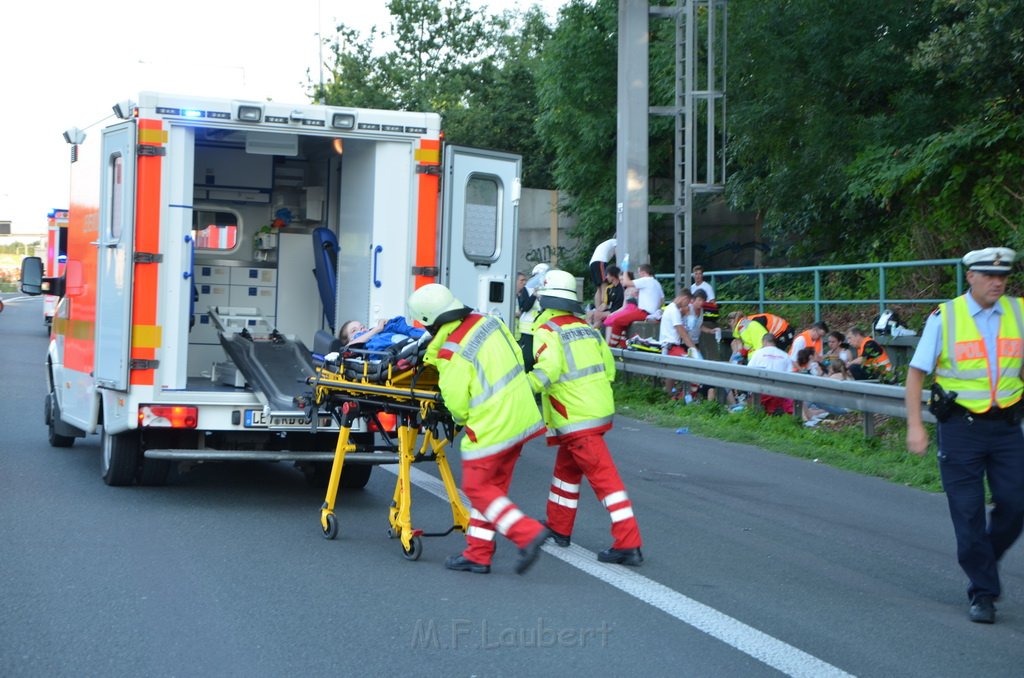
{"type": "Point", "coordinates": [433, 305]}
{"type": "Point", "coordinates": [541, 269]}
{"type": "Point", "coordinates": [558, 291]}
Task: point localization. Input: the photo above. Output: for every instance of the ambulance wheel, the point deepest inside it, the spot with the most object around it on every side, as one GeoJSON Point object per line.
{"type": "Point", "coordinates": [332, 527]}
{"type": "Point", "coordinates": [52, 411]}
{"type": "Point", "coordinates": [415, 549]}
{"type": "Point", "coordinates": [120, 457]}
{"type": "Point", "coordinates": [355, 476]}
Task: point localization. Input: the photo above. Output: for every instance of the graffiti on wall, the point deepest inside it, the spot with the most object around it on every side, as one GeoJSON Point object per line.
{"type": "Point", "coordinates": [545, 254]}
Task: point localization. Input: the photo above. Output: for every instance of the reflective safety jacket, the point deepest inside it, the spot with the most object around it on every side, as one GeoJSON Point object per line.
{"type": "Point", "coordinates": [528, 317]}
{"type": "Point", "coordinates": [752, 328]}
{"type": "Point", "coordinates": [964, 361]}
{"type": "Point", "coordinates": [574, 371]}
{"type": "Point", "coordinates": [875, 364]}
{"type": "Point", "coordinates": [810, 341]}
{"type": "Point", "coordinates": [481, 378]}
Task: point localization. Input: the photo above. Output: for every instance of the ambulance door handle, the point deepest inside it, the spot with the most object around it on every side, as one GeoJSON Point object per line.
{"type": "Point", "coordinates": [377, 250]}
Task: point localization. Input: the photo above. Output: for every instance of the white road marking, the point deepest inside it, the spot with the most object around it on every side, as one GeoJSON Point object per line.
{"type": "Point", "coordinates": [748, 640]}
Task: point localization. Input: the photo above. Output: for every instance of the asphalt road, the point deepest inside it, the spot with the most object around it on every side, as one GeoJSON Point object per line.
{"type": "Point", "coordinates": [757, 564]}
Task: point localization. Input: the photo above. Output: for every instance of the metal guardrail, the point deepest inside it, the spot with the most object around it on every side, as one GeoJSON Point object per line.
{"type": "Point", "coordinates": [866, 397]}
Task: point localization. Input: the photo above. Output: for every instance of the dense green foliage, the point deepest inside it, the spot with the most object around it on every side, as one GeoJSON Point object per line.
{"type": "Point", "coordinates": [875, 130]}
{"type": "Point", "coordinates": [477, 71]}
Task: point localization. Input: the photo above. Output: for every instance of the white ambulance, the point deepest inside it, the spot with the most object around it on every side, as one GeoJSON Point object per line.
{"type": "Point", "coordinates": [196, 221]}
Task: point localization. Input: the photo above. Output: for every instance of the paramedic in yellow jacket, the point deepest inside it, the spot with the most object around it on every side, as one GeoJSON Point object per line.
{"type": "Point", "coordinates": [574, 370]}
{"type": "Point", "coordinates": [484, 386]}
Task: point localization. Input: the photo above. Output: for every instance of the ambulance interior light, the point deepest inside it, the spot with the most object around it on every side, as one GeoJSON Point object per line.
{"type": "Point", "coordinates": [125, 109]}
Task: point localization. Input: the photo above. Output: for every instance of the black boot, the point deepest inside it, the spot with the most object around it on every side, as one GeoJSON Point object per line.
{"type": "Point", "coordinates": [464, 564]}
{"type": "Point", "coordinates": [528, 555]}
{"type": "Point", "coordinates": [621, 556]}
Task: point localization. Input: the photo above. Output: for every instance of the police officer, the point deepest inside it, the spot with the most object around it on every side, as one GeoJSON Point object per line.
{"type": "Point", "coordinates": [574, 370]}
{"type": "Point", "coordinates": [974, 344]}
{"type": "Point", "coordinates": [481, 378]}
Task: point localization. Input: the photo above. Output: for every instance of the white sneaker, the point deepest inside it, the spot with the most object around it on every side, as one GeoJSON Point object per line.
{"type": "Point", "coordinates": [812, 423]}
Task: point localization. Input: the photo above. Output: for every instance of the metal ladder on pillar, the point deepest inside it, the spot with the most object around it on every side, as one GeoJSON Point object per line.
{"type": "Point", "coordinates": [699, 113]}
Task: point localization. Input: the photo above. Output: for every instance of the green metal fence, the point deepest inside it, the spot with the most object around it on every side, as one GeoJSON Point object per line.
{"type": "Point", "coordinates": [813, 282]}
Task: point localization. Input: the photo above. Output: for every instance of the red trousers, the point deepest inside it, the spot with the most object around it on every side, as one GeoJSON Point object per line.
{"type": "Point", "coordinates": [486, 481]}
{"type": "Point", "coordinates": [620, 321]}
{"type": "Point", "coordinates": [588, 456]}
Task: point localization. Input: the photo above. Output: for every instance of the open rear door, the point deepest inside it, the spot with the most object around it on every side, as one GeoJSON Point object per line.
{"type": "Point", "coordinates": [114, 262]}
{"type": "Point", "coordinates": [480, 220]}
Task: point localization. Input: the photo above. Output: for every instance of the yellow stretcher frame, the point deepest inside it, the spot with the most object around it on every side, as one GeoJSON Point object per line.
{"type": "Point", "coordinates": [413, 396]}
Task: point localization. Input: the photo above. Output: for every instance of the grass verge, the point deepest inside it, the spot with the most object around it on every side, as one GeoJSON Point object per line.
{"type": "Point", "coordinates": [838, 442]}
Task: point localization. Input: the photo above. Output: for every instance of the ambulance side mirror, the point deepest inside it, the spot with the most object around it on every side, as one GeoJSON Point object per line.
{"type": "Point", "coordinates": [32, 276]}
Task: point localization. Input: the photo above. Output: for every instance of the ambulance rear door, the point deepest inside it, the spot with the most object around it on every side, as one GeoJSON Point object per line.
{"type": "Point", "coordinates": [481, 193]}
{"type": "Point", "coordinates": [115, 256]}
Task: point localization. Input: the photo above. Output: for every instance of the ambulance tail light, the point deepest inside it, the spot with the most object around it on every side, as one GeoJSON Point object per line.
{"type": "Point", "coordinates": [385, 421]}
{"type": "Point", "coordinates": [168, 416]}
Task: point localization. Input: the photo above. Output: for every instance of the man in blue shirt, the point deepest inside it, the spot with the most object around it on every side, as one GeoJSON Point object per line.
{"type": "Point", "coordinates": [974, 345]}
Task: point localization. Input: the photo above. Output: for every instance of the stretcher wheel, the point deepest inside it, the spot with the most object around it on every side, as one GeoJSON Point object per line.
{"type": "Point", "coordinates": [332, 527]}
{"type": "Point", "coordinates": [415, 549]}
{"type": "Point", "coordinates": [392, 534]}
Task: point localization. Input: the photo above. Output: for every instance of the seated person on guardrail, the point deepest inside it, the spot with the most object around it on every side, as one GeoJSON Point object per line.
{"type": "Point", "coordinates": [675, 335]}
{"type": "Point", "coordinates": [838, 350]}
{"type": "Point", "coordinates": [771, 357]}
{"type": "Point", "coordinates": [810, 338]}
{"type": "Point", "coordinates": [611, 301]}
{"type": "Point", "coordinates": [870, 361]}
{"type": "Point", "coordinates": [381, 336]}
{"type": "Point", "coordinates": [814, 413]}
{"type": "Point", "coordinates": [649, 297]}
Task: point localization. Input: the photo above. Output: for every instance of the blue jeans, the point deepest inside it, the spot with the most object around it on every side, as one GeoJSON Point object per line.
{"type": "Point", "coordinates": [970, 450]}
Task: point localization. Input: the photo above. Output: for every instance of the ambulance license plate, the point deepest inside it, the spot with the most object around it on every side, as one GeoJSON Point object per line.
{"type": "Point", "coordinates": [255, 419]}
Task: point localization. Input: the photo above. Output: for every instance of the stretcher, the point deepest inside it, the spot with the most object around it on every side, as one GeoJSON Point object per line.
{"type": "Point", "coordinates": [377, 386]}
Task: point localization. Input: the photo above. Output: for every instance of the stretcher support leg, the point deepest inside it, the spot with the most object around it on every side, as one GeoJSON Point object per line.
{"type": "Point", "coordinates": [328, 521]}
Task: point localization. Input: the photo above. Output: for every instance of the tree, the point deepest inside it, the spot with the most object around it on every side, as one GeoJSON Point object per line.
{"type": "Point", "coordinates": [475, 70]}
{"type": "Point", "coordinates": [964, 179]}
{"type": "Point", "coordinates": [577, 97]}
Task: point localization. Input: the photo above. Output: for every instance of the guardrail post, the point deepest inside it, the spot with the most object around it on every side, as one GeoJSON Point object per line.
{"type": "Point", "coordinates": [817, 295]}
{"type": "Point", "coordinates": [869, 425]}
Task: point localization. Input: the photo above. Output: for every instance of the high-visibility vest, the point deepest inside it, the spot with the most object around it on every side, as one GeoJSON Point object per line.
{"type": "Point", "coordinates": [810, 341]}
{"type": "Point", "coordinates": [879, 363]}
{"type": "Point", "coordinates": [963, 364]}
{"type": "Point", "coordinates": [481, 378]}
{"type": "Point", "coordinates": [528, 317]}
{"type": "Point", "coordinates": [574, 369]}
{"type": "Point", "coordinates": [751, 328]}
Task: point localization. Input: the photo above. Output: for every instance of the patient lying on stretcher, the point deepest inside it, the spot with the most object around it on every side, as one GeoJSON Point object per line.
{"type": "Point", "coordinates": [368, 353]}
{"type": "Point", "coordinates": [382, 336]}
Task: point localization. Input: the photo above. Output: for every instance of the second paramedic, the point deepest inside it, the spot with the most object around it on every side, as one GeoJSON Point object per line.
{"type": "Point", "coordinates": [481, 378]}
{"type": "Point", "coordinates": [574, 371]}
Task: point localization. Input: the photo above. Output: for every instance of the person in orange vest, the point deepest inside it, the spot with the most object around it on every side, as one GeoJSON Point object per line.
{"type": "Point", "coordinates": [481, 378]}
{"type": "Point", "coordinates": [811, 338]}
{"type": "Point", "coordinates": [870, 359]}
{"type": "Point", "coordinates": [751, 328]}
{"type": "Point", "coordinates": [974, 344]}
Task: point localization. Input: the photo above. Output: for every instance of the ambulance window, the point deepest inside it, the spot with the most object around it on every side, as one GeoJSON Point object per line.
{"type": "Point", "coordinates": [116, 196]}
{"type": "Point", "coordinates": [480, 219]}
{"type": "Point", "coordinates": [214, 230]}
